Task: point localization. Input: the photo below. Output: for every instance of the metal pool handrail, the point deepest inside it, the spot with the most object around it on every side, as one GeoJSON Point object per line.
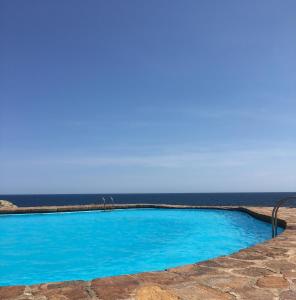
{"type": "Point", "coordinates": [275, 212]}
{"type": "Point", "coordinates": [104, 202]}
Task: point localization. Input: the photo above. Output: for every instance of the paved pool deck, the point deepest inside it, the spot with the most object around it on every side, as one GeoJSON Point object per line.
{"type": "Point", "coordinates": [266, 271]}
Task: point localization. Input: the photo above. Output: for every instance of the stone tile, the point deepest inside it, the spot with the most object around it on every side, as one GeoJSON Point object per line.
{"type": "Point", "coordinates": [11, 292]}
{"type": "Point", "coordinates": [270, 251]}
{"type": "Point", "coordinates": [186, 269]}
{"type": "Point", "coordinates": [250, 254]}
{"type": "Point", "coordinates": [71, 290]}
{"type": "Point", "coordinates": [253, 271]}
{"type": "Point", "coordinates": [292, 258]}
{"type": "Point", "coordinates": [281, 265]}
{"type": "Point", "coordinates": [288, 295]}
{"type": "Point", "coordinates": [226, 262]}
{"type": "Point", "coordinates": [64, 284]}
{"type": "Point", "coordinates": [154, 293]}
{"type": "Point", "coordinates": [118, 287]}
{"type": "Point", "coordinates": [255, 294]}
{"type": "Point", "coordinates": [197, 270]}
{"type": "Point", "coordinates": [200, 292]}
{"type": "Point", "coordinates": [289, 274]}
{"type": "Point", "coordinates": [163, 278]}
{"type": "Point", "coordinates": [272, 282]}
{"type": "Point", "coordinates": [227, 283]}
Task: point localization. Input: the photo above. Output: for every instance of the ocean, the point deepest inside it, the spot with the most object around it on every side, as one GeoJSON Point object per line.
{"type": "Point", "coordinates": [210, 199]}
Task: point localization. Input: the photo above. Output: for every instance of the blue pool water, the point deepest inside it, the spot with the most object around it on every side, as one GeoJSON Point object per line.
{"type": "Point", "coordinates": [37, 248]}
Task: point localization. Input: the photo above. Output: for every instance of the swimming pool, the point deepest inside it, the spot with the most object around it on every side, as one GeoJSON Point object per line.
{"type": "Point", "coordinates": [36, 248]}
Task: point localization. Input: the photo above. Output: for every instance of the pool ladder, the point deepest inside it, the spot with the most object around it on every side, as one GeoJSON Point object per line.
{"type": "Point", "coordinates": [111, 206]}
{"type": "Point", "coordinates": [274, 219]}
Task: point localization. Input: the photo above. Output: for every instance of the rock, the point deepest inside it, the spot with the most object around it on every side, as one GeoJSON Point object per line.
{"type": "Point", "coordinates": [4, 204]}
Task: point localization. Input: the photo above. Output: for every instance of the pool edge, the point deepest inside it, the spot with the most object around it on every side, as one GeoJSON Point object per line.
{"type": "Point", "coordinates": [264, 271]}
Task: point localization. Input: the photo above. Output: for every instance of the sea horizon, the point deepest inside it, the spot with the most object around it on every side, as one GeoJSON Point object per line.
{"type": "Point", "coordinates": [202, 198]}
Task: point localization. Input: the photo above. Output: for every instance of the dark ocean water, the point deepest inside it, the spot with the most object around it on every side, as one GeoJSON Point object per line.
{"type": "Point", "coordinates": [254, 199]}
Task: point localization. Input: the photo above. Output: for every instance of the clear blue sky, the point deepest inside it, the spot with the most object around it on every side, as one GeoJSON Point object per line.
{"type": "Point", "coordinates": [147, 96]}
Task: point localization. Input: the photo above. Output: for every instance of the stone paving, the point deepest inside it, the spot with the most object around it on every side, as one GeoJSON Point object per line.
{"type": "Point", "coordinates": [266, 271]}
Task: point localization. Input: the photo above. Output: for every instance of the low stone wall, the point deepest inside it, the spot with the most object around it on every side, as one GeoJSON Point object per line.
{"type": "Point", "coordinates": [4, 204]}
{"type": "Point", "coordinates": [266, 271]}
{"type": "Point", "coordinates": [70, 208]}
